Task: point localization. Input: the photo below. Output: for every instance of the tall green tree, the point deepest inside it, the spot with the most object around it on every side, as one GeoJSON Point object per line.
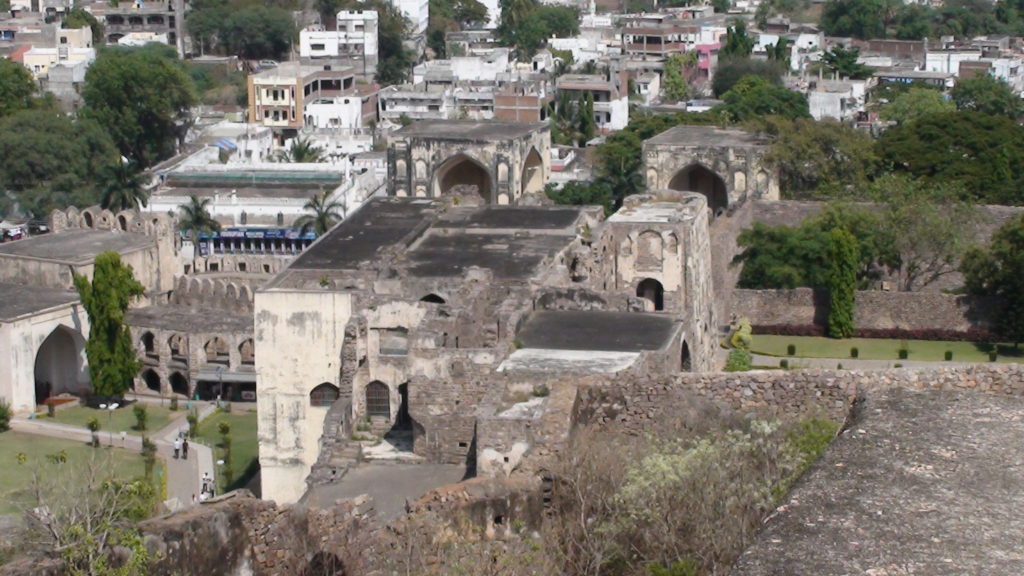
{"type": "Point", "coordinates": [112, 360]}
{"type": "Point", "coordinates": [123, 187]}
{"type": "Point", "coordinates": [733, 70]}
{"type": "Point", "coordinates": [779, 52]}
{"type": "Point", "coordinates": [738, 44]}
{"type": "Point", "coordinates": [674, 87]}
{"type": "Point", "coordinates": [843, 259]}
{"type": "Point", "coordinates": [998, 270]}
{"type": "Point", "coordinates": [843, 61]}
{"type": "Point", "coordinates": [527, 24]}
{"type": "Point", "coordinates": [988, 95]}
{"type": "Point", "coordinates": [323, 215]}
{"type": "Point", "coordinates": [862, 19]}
{"type": "Point", "coordinates": [195, 218]}
{"type": "Point", "coordinates": [17, 87]}
{"type": "Point", "coordinates": [587, 125]}
{"type": "Point", "coordinates": [143, 98]}
{"type": "Point", "coordinates": [257, 32]}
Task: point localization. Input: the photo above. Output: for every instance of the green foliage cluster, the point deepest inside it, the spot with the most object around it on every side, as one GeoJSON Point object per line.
{"type": "Point", "coordinates": [754, 97]}
{"type": "Point", "coordinates": [17, 88]}
{"type": "Point", "coordinates": [582, 194]}
{"type": "Point", "coordinates": [988, 95]}
{"type": "Point", "coordinates": [844, 261]}
{"type": "Point", "coordinates": [141, 416]}
{"type": "Point", "coordinates": [674, 85]}
{"type": "Point", "coordinates": [142, 98]}
{"type": "Point", "coordinates": [867, 19]}
{"type": "Point", "coordinates": [739, 360]}
{"type": "Point", "coordinates": [112, 359]}
{"type": "Point", "coordinates": [194, 219]}
{"type": "Point", "coordinates": [527, 24]}
{"type": "Point", "coordinates": [732, 70]}
{"type": "Point", "coordinates": [241, 28]}
{"type": "Point", "coordinates": [998, 270]}
{"type": "Point", "coordinates": [738, 44]}
{"type": "Point", "coordinates": [842, 62]}
{"type": "Point", "coordinates": [5, 415]}
{"type": "Point", "coordinates": [451, 16]}
{"type": "Point", "coordinates": [323, 214]}
{"type": "Point", "coordinates": [572, 121]}
{"type": "Point", "coordinates": [77, 17]}
{"type": "Point", "coordinates": [819, 159]}
{"type": "Point", "coordinates": [915, 103]}
{"type": "Point", "coordinates": [742, 336]}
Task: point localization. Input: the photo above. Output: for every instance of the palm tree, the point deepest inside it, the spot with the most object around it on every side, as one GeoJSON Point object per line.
{"type": "Point", "coordinates": [123, 187]}
{"type": "Point", "coordinates": [324, 214]}
{"type": "Point", "coordinates": [196, 218]}
{"type": "Point", "coordinates": [301, 151]}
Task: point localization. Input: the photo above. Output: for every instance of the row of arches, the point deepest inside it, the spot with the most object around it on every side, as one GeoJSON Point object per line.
{"type": "Point", "coordinates": [216, 349]}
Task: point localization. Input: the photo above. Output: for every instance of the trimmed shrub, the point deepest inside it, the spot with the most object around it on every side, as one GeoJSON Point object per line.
{"type": "Point", "coordinates": [141, 416]}
{"type": "Point", "coordinates": [174, 404]}
{"type": "Point", "coordinates": [5, 415]}
{"type": "Point", "coordinates": [897, 365]}
{"type": "Point", "coordinates": [854, 352]}
{"type": "Point", "coordinates": [790, 349]}
{"type": "Point", "coordinates": [993, 355]}
{"type": "Point", "coordinates": [739, 360]}
{"type": "Point", "coordinates": [51, 409]}
{"type": "Point", "coordinates": [883, 333]}
{"type": "Point", "coordinates": [903, 353]}
{"type": "Point", "coordinates": [193, 424]}
{"type": "Point", "coordinates": [839, 366]}
{"type": "Point", "coordinates": [948, 355]}
{"type": "Point", "coordinates": [784, 364]}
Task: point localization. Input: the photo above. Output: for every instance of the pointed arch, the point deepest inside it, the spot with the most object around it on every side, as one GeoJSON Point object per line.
{"type": "Point", "coordinates": [462, 170]}
{"type": "Point", "coordinates": [651, 290]}
{"type": "Point", "coordinates": [179, 384]}
{"type": "Point", "coordinates": [378, 399]}
{"type": "Point", "coordinates": [532, 178]}
{"type": "Point", "coordinates": [60, 363]}
{"type": "Point", "coordinates": [152, 380]}
{"type": "Point", "coordinates": [699, 178]}
{"type": "Point", "coordinates": [324, 395]}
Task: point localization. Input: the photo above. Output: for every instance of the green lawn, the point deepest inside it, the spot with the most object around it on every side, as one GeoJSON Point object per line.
{"type": "Point", "coordinates": [244, 443]}
{"type": "Point", "coordinates": [15, 477]}
{"type": "Point", "coordinates": [879, 349]}
{"type": "Point", "coordinates": [122, 419]}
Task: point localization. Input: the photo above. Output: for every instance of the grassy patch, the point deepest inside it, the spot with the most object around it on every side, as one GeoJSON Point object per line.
{"type": "Point", "coordinates": [244, 444]}
{"type": "Point", "coordinates": [881, 349]}
{"type": "Point", "coordinates": [15, 477]}
{"type": "Point", "coordinates": [119, 420]}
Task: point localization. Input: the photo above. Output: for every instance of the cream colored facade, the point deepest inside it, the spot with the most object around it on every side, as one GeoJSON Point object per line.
{"type": "Point", "coordinates": [301, 334]}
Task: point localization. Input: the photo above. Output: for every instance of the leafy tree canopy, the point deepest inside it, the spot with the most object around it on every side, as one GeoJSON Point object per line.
{"type": "Point", "coordinates": [527, 24]}
{"type": "Point", "coordinates": [142, 97]}
{"type": "Point", "coordinates": [674, 86]}
{"type": "Point", "coordinates": [112, 360]}
{"type": "Point", "coordinates": [754, 97]}
{"type": "Point", "coordinates": [582, 194]}
{"type": "Point", "coordinates": [732, 70]}
{"type": "Point", "coordinates": [915, 103]}
{"type": "Point", "coordinates": [998, 270]}
{"type": "Point", "coordinates": [985, 154]}
{"type": "Point", "coordinates": [52, 161]}
{"type": "Point", "coordinates": [77, 17]}
{"type": "Point", "coordinates": [987, 95]}
{"type": "Point", "coordinates": [17, 87]}
{"type": "Point", "coordinates": [858, 18]}
{"type": "Point", "coordinates": [843, 62]}
{"type": "Point", "coordinates": [738, 44]}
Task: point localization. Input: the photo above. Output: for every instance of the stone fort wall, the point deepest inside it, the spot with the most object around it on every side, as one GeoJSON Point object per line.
{"type": "Point", "coordinates": [636, 405]}
{"type": "Point", "coordinates": [874, 309]}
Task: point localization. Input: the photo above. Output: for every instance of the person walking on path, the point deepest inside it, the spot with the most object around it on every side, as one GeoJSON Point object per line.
{"type": "Point", "coordinates": [177, 447]}
{"type": "Point", "coordinates": [184, 448]}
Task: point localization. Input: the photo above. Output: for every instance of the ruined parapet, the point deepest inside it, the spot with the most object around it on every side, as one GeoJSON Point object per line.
{"type": "Point", "coordinates": [97, 218]}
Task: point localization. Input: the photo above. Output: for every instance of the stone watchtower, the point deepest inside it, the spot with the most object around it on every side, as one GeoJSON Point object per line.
{"type": "Point", "coordinates": [657, 247]}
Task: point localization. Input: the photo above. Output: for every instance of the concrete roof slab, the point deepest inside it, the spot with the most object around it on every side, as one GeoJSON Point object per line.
{"type": "Point", "coordinates": [17, 301]}
{"type": "Point", "coordinates": [76, 246]}
{"type": "Point", "coordinates": [592, 330]}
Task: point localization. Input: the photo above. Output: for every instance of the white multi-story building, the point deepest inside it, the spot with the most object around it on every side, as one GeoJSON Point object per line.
{"type": "Point", "coordinates": [485, 68]}
{"type": "Point", "coordinates": [355, 38]}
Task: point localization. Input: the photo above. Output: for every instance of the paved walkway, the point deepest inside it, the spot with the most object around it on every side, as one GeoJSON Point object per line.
{"type": "Point", "coordinates": [183, 476]}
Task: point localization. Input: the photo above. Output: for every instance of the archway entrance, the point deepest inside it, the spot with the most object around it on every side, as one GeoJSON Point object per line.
{"type": "Point", "coordinates": [463, 175]}
{"type": "Point", "coordinates": [697, 178]}
{"type": "Point", "coordinates": [652, 291]}
{"type": "Point", "coordinates": [59, 364]}
{"type": "Point", "coordinates": [401, 433]}
{"type": "Point", "coordinates": [378, 400]}
{"type": "Point", "coordinates": [179, 384]}
{"type": "Point", "coordinates": [685, 363]}
{"type": "Point", "coordinates": [152, 380]}
{"type": "Point", "coordinates": [532, 178]}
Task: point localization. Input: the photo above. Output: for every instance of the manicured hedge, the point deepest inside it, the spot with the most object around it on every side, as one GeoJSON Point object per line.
{"type": "Point", "coordinates": [885, 333]}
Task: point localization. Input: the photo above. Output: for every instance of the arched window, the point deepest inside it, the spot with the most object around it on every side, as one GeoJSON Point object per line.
{"type": "Point", "coordinates": [152, 380]}
{"type": "Point", "coordinates": [324, 395]}
{"type": "Point", "coordinates": [179, 384]}
{"type": "Point", "coordinates": [148, 343]}
{"type": "Point", "coordinates": [247, 352]}
{"type": "Point", "coordinates": [378, 400]}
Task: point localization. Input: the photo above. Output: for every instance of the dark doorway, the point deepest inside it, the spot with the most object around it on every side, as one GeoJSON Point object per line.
{"type": "Point", "coordinates": [152, 380]}
{"type": "Point", "coordinates": [685, 364]}
{"type": "Point", "coordinates": [651, 290]}
{"type": "Point", "coordinates": [179, 384]}
{"type": "Point", "coordinates": [401, 434]}
{"type": "Point", "coordinates": [696, 178]}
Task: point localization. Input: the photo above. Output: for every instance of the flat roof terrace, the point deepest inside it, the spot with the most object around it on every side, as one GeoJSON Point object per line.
{"type": "Point", "coordinates": [380, 223]}
{"type": "Point", "coordinates": [594, 330]}
{"type": "Point", "coordinates": [706, 136]}
{"type": "Point", "coordinates": [78, 247]}
{"type": "Point", "coordinates": [500, 217]}
{"type": "Point", "coordinates": [17, 301]}
{"type": "Point", "coordinates": [469, 130]}
{"type": "Point", "coordinates": [187, 319]}
{"type": "Point", "coordinates": [508, 256]}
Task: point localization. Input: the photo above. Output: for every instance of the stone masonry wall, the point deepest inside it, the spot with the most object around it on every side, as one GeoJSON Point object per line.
{"type": "Point", "coordinates": [636, 405]}
{"type": "Point", "coordinates": [875, 310]}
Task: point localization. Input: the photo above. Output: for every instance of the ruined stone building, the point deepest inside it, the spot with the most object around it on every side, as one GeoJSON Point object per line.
{"type": "Point", "coordinates": [420, 315]}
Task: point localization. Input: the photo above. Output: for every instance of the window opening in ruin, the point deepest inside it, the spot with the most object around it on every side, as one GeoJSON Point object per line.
{"type": "Point", "coordinates": [247, 353]}
{"type": "Point", "coordinates": [152, 380]}
{"type": "Point", "coordinates": [177, 345]}
{"type": "Point", "coordinates": [432, 299]}
{"type": "Point", "coordinates": [532, 177]}
{"type": "Point", "coordinates": [148, 344]}
{"type": "Point", "coordinates": [217, 351]}
{"type": "Point", "coordinates": [241, 266]}
{"type": "Point", "coordinates": [394, 341]}
{"type": "Point", "coordinates": [324, 395]}
{"type": "Point", "coordinates": [378, 400]}
{"type": "Point", "coordinates": [123, 222]}
{"type": "Point", "coordinates": [652, 291]}
{"type": "Point", "coordinates": [463, 175]}
{"type": "Point", "coordinates": [697, 178]}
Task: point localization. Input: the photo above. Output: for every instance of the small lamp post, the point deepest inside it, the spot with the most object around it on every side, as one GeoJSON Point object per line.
{"type": "Point", "coordinates": [110, 418]}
